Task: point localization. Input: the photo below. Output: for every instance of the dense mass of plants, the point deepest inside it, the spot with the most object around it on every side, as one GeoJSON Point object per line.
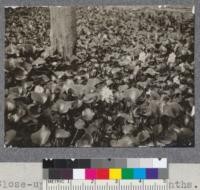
{"type": "Point", "coordinates": [130, 84]}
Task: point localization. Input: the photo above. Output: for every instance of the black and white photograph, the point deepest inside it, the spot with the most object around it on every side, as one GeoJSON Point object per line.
{"type": "Point", "coordinates": [99, 76]}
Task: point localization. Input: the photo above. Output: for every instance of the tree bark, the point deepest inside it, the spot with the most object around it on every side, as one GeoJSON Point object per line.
{"type": "Point", "coordinates": [63, 30]}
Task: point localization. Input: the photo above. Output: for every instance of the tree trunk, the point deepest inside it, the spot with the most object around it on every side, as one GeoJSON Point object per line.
{"type": "Point", "coordinates": [63, 30]}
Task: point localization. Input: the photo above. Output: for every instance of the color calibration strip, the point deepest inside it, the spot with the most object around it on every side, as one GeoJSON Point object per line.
{"type": "Point", "coordinates": [106, 163]}
{"type": "Point", "coordinates": [106, 173]}
{"type": "Point", "coordinates": [105, 169]}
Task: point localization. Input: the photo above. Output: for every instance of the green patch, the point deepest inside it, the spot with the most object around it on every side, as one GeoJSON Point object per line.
{"type": "Point", "coordinates": [127, 173]}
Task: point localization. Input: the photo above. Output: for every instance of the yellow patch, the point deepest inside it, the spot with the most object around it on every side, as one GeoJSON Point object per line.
{"type": "Point", "coordinates": [115, 173]}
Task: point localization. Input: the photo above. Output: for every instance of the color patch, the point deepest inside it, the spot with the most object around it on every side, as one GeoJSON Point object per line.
{"type": "Point", "coordinates": [146, 163]}
{"type": "Point", "coordinates": [47, 163]}
{"type": "Point", "coordinates": [90, 174]}
{"type": "Point", "coordinates": [163, 173]}
{"type": "Point", "coordinates": [78, 173]}
{"type": "Point", "coordinates": [84, 163]}
{"type": "Point", "coordinates": [53, 174]}
{"type": "Point", "coordinates": [103, 174]}
{"type": "Point", "coordinates": [152, 173]}
{"type": "Point", "coordinates": [45, 173]}
{"type": "Point", "coordinates": [139, 173]}
{"type": "Point", "coordinates": [133, 163]}
{"type": "Point", "coordinates": [127, 173]}
{"type": "Point", "coordinates": [160, 163]}
{"type": "Point", "coordinates": [96, 163]}
{"type": "Point", "coordinates": [108, 163]}
{"type": "Point", "coordinates": [66, 173]}
{"type": "Point", "coordinates": [115, 173]}
{"type": "Point", "coordinates": [120, 163]}
{"type": "Point", "coordinates": [60, 163]}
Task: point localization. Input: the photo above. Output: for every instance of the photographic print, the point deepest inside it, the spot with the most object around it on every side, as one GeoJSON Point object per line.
{"type": "Point", "coordinates": [104, 76]}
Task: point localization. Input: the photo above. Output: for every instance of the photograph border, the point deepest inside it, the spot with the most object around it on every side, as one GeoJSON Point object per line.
{"type": "Point", "coordinates": [175, 155]}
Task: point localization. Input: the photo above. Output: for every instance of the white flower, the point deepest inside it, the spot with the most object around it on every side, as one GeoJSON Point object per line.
{"type": "Point", "coordinates": [106, 95]}
{"type": "Point", "coordinates": [88, 114]}
{"type": "Point", "coordinates": [39, 89]}
{"type": "Point", "coordinates": [142, 57]}
{"type": "Point", "coordinates": [171, 58]}
{"type": "Point", "coordinates": [193, 111]}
